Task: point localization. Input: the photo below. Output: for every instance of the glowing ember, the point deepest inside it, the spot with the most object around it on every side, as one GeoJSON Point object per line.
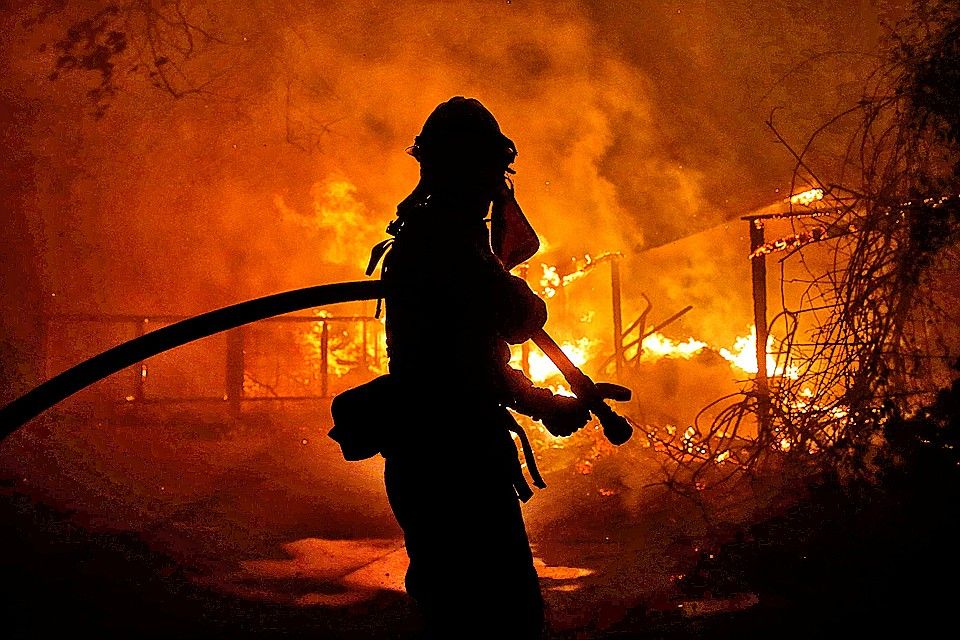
{"type": "Point", "coordinates": [790, 242]}
{"type": "Point", "coordinates": [561, 390]}
{"type": "Point", "coordinates": [549, 281]}
{"type": "Point", "coordinates": [807, 197]}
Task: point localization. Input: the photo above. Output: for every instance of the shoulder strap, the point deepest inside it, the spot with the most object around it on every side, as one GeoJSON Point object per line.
{"type": "Point", "coordinates": [379, 251]}
{"type": "Point", "coordinates": [376, 254]}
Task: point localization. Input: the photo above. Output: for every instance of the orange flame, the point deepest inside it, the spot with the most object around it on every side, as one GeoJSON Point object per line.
{"type": "Point", "coordinates": [542, 368]}
{"type": "Point", "coordinates": [340, 218]}
{"type": "Point", "coordinates": [743, 355]}
{"type": "Point", "coordinates": [656, 346]}
{"type": "Point", "coordinates": [807, 197]}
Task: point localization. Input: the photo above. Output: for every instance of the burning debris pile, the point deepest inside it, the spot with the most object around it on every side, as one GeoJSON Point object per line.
{"type": "Point", "coordinates": [868, 275]}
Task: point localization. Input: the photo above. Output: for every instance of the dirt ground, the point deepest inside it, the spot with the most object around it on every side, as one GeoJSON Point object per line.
{"type": "Point", "coordinates": [188, 525]}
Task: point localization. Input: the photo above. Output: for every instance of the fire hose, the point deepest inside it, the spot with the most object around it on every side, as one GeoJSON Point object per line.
{"type": "Point", "coordinates": [82, 375]}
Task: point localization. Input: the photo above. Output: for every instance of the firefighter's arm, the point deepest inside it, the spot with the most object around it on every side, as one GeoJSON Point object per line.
{"type": "Point", "coordinates": [561, 415]}
{"type": "Point", "coordinates": [518, 311]}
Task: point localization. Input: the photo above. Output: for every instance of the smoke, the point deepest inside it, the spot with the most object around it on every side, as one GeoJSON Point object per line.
{"type": "Point", "coordinates": [637, 123]}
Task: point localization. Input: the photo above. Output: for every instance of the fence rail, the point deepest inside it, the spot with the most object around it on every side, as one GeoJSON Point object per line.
{"type": "Point", "coordinates": [236, 363]}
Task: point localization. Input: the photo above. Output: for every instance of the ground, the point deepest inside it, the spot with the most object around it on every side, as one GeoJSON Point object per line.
{"type": "Point", "coordinates": [178, 525]}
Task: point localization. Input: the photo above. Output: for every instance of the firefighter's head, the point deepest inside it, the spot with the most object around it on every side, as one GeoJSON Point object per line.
{"type": "Point", "coordinates": [462, 151]}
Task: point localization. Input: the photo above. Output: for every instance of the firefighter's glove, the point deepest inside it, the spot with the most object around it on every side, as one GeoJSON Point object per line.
{"type": "Point", "coordinates": [566, 415]}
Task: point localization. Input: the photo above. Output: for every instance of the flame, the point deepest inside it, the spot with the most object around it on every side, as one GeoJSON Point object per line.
{"type": "Point", "coordinates": [340, 218]}
{"type": "Point", "coordinates": [345, 353]}
{"type": "Point", "coordinates": [743, 355]}
{"type": "Point", "coordinates": [807, 197]}
{"type": "Point", "coordinates": [836, 416]}
{"type": "Point", "coordinates": [656, 346]}
{"type": "Point", "coordinates": [744, 352]}
{"type": "Point", "coordinates": [561, 390]}
{"type": "Point", "coordinates": [551, 281]}
{"type": "Point", "coordinates": [345, 347]}
{"type": "Point", "coordinates": [790, 242]}
{"type": "Point", "coordinates": [542, 368]}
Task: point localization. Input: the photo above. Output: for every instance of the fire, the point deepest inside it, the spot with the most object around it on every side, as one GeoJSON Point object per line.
{"type": "Point", "coordinates": [807, 197]}
{"type": "Point", "coordinates": [542, 368]}
{"type": "Point", "coordinates": [341, 220]}
{"type": "Point", "coordinates": [656, 346]}
{"type": "Point", "coordinates": [744, 352]}
{"type": "Point", "coordinates": [743, 355]}
{"type": "Point", "coordinates": [833, 415]}
{"type": "Point", "coordinates": [551, 281]}
{"type": "Point", "coordinates": [345, 346]}
{"type": "Point", "coordinates": [561, 390]}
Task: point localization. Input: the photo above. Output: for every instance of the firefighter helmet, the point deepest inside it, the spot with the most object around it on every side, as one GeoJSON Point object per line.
{"type": "Point", "coordinates": [461, 130]}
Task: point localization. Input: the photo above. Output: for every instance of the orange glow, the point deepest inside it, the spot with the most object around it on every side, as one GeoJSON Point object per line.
{"type": "Point", "coordinates": [542, 368]}
{"type": "Point", "coordinates": [344, 347]}
{"type": "Point", "coordinates": [807, 197]}
{"type": "Point", "coordinates": [551, 281]}
{"type": "Point", "coordinates": [656, 346]}
{"type": "Point", "coordinates": [743, 355]}
{"type": "Point", "coordinates": [340, 220]}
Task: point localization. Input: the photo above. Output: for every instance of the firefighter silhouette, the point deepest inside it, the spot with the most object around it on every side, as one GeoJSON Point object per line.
{"type": "Point", "coordinates": [452, 473]}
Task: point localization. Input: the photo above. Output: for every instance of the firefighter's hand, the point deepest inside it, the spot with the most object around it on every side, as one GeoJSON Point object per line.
{"type": "Point", "coordinates": [566, 416]}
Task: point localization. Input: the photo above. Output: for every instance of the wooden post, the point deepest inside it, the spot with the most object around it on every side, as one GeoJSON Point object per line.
{"type": "Point", "coordinates": [758, 272]}
{"type": "Point", "coordinates": [235, 366]}
{"type": "Point", "coordinates": [617, 317]}
{"type": "Point", "coordinates": [141, 374]}
{"type": "Point", "coordinates": [324, 367]}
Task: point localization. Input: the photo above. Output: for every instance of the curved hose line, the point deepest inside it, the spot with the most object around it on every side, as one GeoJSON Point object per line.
{"type": "Point", "coordinates": [82, 375]}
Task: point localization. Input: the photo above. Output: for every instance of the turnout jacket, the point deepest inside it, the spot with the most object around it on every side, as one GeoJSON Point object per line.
{"type": "Point", "coordinates": [451, 311]}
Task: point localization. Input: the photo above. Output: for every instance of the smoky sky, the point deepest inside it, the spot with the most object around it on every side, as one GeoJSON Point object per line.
{"type": "Point", "coordinates": [637, 123]}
